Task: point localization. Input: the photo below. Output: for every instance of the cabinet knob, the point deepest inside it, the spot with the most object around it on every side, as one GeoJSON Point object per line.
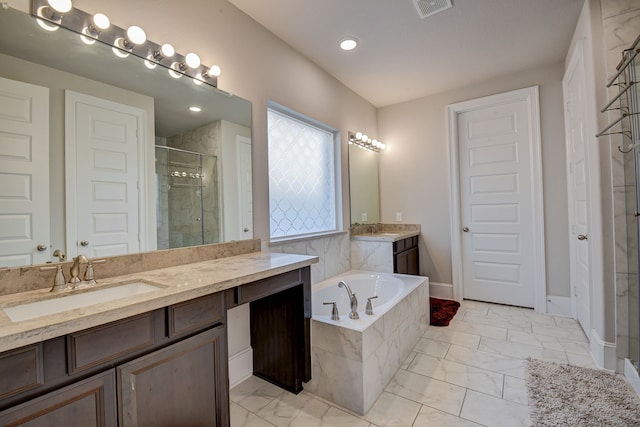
{"type": "Point", "coordinates": [465, 229]}
{"type": "Point", "coordinates": [84, 243]}
{"type": "Point", "coordinates": [41, 247]}
{"type": "Point", "coordinates": [582, 237]}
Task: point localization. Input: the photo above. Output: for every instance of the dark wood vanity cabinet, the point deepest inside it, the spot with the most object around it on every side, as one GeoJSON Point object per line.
{"type": "Point", "coordinates": [406, 257]}
{"type": "Point", "coordinates": [167, 367]}
{"type": "Point", "coordinates": [170, 367]}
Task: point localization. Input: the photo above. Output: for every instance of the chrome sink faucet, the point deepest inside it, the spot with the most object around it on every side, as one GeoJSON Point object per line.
{"type": "Point", "coordinates": [352, 299]}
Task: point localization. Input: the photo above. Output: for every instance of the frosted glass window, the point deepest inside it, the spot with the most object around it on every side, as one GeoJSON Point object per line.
{"type": "Point", "coordinates": [302, 181]}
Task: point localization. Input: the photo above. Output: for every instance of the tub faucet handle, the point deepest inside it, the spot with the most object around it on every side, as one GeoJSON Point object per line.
{"type": "Point", "coordinates": [334, 311]}
{"type": "Point", "coordinates": [369, 309]}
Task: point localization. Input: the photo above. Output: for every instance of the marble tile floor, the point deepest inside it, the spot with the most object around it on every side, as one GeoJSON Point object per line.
{"type": "Point", "coordinates": [470, 373]}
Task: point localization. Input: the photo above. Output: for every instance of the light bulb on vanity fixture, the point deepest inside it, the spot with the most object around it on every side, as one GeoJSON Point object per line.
{"type": "Point", "coordinates": [53, 11]}
{"type": "Point", "coordinates": [165, 51]}
{"type": "Point", "coordinates": [135, 37]}
{"type": "Point", "coordinates": [212, 72]}
{"type": "Point", "coordinates": [99, 22]}
{"type": "Point", "coordinates": [365, 142]}
{"type": "Point", "coordinates": [191, 60]}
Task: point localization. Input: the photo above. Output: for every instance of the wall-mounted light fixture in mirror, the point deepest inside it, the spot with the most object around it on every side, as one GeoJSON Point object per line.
{"type": "Point", "coordinates": [363, 178]}
{"type": "Point", "coordinates": [66, 180]}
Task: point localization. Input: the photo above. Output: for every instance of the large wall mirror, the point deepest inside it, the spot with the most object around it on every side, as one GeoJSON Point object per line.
{"type": "Point", "coordinates": [364, 186]}
{"type": "Point", "coordinates": [101, 155]}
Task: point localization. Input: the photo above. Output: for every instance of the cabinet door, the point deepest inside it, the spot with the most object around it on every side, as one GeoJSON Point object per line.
{"type": "Point", "coordinates": [87, 403]}
{"type": "Point", "coordinates": [185, 384]}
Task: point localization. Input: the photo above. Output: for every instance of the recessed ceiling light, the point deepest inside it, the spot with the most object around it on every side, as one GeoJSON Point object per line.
{"type": "Point", "coordinates": [348, 43]}
{"type": "Point", "coordinates": [195, 109]}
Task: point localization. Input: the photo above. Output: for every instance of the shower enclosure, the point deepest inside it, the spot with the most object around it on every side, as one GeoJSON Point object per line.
{"type": "Point", "coordinates": [188, 198]}
{"type": "Point", "coordinates": [624, 128]}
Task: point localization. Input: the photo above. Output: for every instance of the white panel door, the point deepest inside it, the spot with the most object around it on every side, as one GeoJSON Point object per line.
{"type": "Point", "coordinates": [106, 207]}
{"type": "Point", "coordinates": [24, 174]}
{"type": "Point", "coordinates": [245, 198]}
{"type": "Point", "coordinates": [496, 205]}
{"type": "Point", "coordinates": [575, 127]}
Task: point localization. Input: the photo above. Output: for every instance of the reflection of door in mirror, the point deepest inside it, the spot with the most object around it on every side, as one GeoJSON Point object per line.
{"type": "Point", "coordinates": [245, 201]}
{"type": "Point", "coordinates": [24, 174]}
{"type": "Point", "coordinates": [103, 147]}
{"type": "Point", "coordinates": [364, 186]}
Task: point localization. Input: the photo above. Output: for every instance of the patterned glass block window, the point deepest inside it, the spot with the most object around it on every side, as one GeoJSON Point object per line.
{"type": "Point", "coordinates": [302, 181]}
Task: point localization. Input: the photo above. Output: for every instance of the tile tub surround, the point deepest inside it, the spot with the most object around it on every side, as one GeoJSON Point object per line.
{"type": "Point", "coordinates": [179, 283]}
{"type": "Point", "coordinates": [21, 279]}
{"type": "Point", "coordinates": [352, 368]}
{"type": "Point", "coordinates": [374, 252]}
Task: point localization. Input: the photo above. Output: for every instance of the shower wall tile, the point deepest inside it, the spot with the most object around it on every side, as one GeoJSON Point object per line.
{"type": "Point", "coordinates": [616, 7]}
{"type": "Point", "coordinates": [620, 228]}
{"type": "Point", "coordinates": [622, 317]}
{"type": "Point", "coordinates": [619, 32]}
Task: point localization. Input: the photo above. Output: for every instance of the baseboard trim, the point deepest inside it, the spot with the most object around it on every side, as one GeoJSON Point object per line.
{"type": "Point", "coordinates": [440, 290]}
{"type": "Point", "coordinates": [603, 352]}
{"type": "Point", "coordinates": [240, 366]}
{"type": "Point", "coordinates": [559, 306]}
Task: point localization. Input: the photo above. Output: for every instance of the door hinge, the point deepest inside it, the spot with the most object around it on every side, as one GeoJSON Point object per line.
{"type": "Point", "coordinates": [571, 167]}
{"type": "Point", "coordinates": [567, 106]}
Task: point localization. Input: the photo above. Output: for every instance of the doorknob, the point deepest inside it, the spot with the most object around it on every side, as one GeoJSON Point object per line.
{"type": "Point", "coordinates": [582, 237]}
{"type": "Point", "coordinates": [465, 229]}
{"type": "Point", "coordinates": [84, 243]}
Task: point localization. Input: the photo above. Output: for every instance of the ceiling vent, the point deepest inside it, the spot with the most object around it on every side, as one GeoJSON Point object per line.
{"type": "Point", "coordinates": [431, 7]}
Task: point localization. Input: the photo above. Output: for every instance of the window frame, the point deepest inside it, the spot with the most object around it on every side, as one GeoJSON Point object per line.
{"type": "Point", "coordinates": [337, 176]}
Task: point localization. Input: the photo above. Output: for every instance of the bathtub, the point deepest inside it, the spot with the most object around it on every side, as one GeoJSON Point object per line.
{"type": "Point", "coordinates": [354, 359]}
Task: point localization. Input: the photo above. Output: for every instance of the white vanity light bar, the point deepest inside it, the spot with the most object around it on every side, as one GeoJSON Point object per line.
{"type": "Point", "coordinates": [366, 142]}
{"type": "Point", "coordinates": [77, 21]}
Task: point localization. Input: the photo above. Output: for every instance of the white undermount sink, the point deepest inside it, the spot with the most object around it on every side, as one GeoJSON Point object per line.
{"type": "Point", "coordinates": [69, 301]}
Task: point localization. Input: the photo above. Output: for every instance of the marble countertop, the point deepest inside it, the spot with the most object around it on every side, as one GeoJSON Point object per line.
{"type": "Point", "coordinates": [175, 285]}
{"type": "Point", "coordinates": [386, 236]}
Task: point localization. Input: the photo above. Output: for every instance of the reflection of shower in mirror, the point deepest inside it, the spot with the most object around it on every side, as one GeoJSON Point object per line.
{"type": "Point", "coordinates": [187, 204]}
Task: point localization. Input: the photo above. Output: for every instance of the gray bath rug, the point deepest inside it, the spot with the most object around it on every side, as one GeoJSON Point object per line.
{"type": "Point", "coordinates": [566, 395]}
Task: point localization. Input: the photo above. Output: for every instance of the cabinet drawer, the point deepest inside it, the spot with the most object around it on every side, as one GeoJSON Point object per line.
{"type": "Point", "coordinates": [21, 370]}
{"type": "Point", "coordinates": [265, 287]}
{"type": "Point", "coordinates": [196, 314]}
{"type": "Point", "coordinates": [102, 344]}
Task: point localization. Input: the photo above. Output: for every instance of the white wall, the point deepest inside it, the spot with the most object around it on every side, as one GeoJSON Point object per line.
{"type": "Point", "coordinates": [416, 136]}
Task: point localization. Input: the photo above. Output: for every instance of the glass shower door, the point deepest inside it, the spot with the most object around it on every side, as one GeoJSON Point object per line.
{"type": "Point", "coordinates": [188, 205]}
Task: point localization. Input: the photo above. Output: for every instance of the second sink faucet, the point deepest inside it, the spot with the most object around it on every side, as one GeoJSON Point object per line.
{"type": "Point", "coordinates": [352, 299]}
